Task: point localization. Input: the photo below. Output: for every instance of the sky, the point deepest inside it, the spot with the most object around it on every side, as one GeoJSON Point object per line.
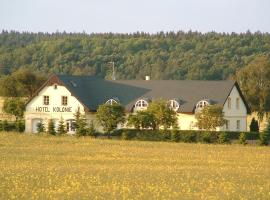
{"type": "Point", "coordinates": [128, 16]}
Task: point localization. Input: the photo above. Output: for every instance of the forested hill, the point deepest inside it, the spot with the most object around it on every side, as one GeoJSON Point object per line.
{"type": "Point", "coordinates": [180, 55]}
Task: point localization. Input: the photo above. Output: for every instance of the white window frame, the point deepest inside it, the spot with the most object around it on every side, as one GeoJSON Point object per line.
{"type": "Point", "coordinates": [202, 103]}
{"type": "Point", "coordinates": [141, 104]}
{"type": "Point", "coordinates": [173, 104]}
{"type": "Point", "coordinates": [111, 102]}
{"type": "Point", "coordinates": [227, 125]}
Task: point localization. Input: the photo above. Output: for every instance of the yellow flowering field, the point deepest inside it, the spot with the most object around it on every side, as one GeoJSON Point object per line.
{"type": "Point", "coordinates": [47, 167]}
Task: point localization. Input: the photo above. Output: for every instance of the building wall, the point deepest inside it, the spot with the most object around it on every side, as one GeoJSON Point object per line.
{"type": "Point", "coordinates": [234, 113]}
{"type": "Point", "coordinates": [37, 111]}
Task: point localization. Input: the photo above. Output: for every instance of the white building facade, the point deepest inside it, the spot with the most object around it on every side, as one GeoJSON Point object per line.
{"type": "Point", "coordinates": [62, 96]}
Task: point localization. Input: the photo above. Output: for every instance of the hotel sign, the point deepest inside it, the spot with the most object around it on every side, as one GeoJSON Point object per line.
{"type": "Point", "coordinates": [54, 109]}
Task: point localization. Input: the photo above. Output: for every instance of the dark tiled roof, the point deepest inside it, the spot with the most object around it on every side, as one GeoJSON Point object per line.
{"type": "Point", "coordinates": [93, 91]}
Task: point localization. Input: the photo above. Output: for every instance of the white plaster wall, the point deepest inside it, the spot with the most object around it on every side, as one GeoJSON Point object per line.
{"type": "Point", "coordinates": [233, 114]}
{"type": "Point", "coordinates": [55, 96]}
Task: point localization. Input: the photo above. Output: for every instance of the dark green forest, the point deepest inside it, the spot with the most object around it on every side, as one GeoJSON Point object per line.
{"type": "Point", "coordinates": [172, 55]}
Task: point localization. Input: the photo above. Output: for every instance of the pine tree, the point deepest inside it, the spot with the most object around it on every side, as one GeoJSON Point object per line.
{"type": "Point", "coordinates": [51, 127]}
{"type": "Point", "coordinates": [61, 129]}
{"type": "Point", "coordinates": [40, 127]}
{"type": "Point", "coordinates": [254, 126]}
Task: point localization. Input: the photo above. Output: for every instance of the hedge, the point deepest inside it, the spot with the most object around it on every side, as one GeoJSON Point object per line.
{"type": "Point", "coordinates": [189, 136]}
{"type": "Point", "coordinates": [18, 126]}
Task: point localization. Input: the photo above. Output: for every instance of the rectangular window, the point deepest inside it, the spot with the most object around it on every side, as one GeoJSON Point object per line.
{"type": "Point", "coordinates": [238, 124]}
{"type": "Point", "coordinates": [46, 100]}
{"type": "Point", "coordinates": [64, 100]}
{"type": "Point", "coordinates": [237, 103]}
{"type": "Point", "coordinates": [229, 103]}
{"type": "Point", "coordinates": [227, 124]}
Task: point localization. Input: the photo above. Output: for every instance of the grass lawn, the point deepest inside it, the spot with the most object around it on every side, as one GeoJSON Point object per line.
{"type": "Point", "coordinates": [46, 167]}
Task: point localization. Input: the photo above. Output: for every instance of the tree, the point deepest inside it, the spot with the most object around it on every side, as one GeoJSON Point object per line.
{"type": "Point", "coordinates": [91, 131]}
{"type": "Point", "coordinates": [210, 117]}
{"type": "Point", "coordinates": [9, 87]}
{"type": "Point", "coordinates": [254, 126]}
{"type": "Point", "coordinates": [61, 129]}
{"type": "Point", "coordinates": [40, 127]}
{"type": "Point", "coordinates": [264, 136]}
{"type": "Point", "coordinates": [255, 83]}
{"type": "Point", "coordinates": [109, 116]}
{"type": "Point", "coordinates": [14, 106]}
{"type": "Point", "coordinates": [51, 127]}
{"type": "Point", "coordinates": [163, 114]}
{"type": "Point", "coordinates": [142, 119]}
{"type": "Point", "coordinates": [80, 124]}
{"type": "Point", "coordinates": [27, 81]}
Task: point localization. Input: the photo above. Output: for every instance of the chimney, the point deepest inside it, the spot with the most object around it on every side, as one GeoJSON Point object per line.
{"type": "Point", "coordinates": [147, 78]}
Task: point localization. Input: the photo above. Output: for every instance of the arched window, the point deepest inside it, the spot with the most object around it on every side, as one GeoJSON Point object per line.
{"type": "Point", "coordinates": [174, 105]}
{"type": "Point", "coordinates": [141, 103]}
{"type": "Point", "coordinates": [112, 101]}
{"type": "Point", "coordinates": [202, 103]}
{"type": "Point", "coordinates": [237, 102]}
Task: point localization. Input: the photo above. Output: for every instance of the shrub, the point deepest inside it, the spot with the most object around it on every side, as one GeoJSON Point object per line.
{"type": "Point", "coordinates": [19, 126]}
{"type": "Point", "coordinates": [40, 127]}
{"type": "Point", "coordinates": [254, 126]}
{"type": "Point", "coordinates": [189, 136]}
{"type": "Point", "coordinates": [5, 126]}
{"type": "Point", "coordinates": [175, 136]}
{"type": "Point", "coordinates": [51, 127]}
{"type": "Point", "coordinates": [223, 138]}
{"type": "Point", "coordinates": [264, 138]}
{"type": "Point", "coordinates": [206, 137]}
{"type": "Point", "coordinates": [242, 139]}
{"type": "Point", "coordinates": [61, 129]}
{"type": "Point", "coordinates": [91, 131]}
{"type": "Point", "coordinates": [128, 135]}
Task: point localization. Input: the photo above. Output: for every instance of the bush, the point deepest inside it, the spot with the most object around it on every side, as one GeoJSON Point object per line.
{"type": "Point", "coordinates": [206, 137]}
{"type": "Point", "coordinates": [242, 139]}
{"type": "Point", "coordinates": [19, 126]}
{"type": "Point", "coordinates": [254, 126]}
{"type": "Point", "coordinates": [51, 127]}
{"type": "Point", "coordinates": [128, 135]}
{"type": "Point", "coordinates": [264, 138]}
{"type": "Point", "coordinates": [40, 127]}
{"type": "Point", "coordinates": [223, 138]}
{"type": "Point", "coordinates": [91, 131]}
{"type": "Point", "coordinates": [5, 126]}
{"type": "Point", "coordinates": [175, 136]}
{"type": "Point", "coordinates": [189, 136]}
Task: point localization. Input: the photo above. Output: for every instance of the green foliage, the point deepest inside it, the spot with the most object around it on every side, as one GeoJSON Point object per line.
{"type": "Point", "coordinates": [19, 126]}
{"type": "Point", "coordinates": [91, 131]}
{"type": "Point", "coordinates": [109, 116]}
{"type": "Point", "coordinates": [20, 83]}
{"type": "Point", "coordinates": [189, 137]}
{"type": "Point", "coordinates": [175, 136]}
{"type": "Point", "coordinates": [61, 129]}
{"type": "Point", "coordinates": [40, 127]}
{"type": "Point", "coordinates": [265, 136]}
{"type": "Point", "coordinates": [255, 83]}
{"type": "Point", "coordinates": [163, 114]}
{"type": "Point", "coordinates": [223, 138]}
{"type": "Point", "coordinates": [206, 137]}
{"type": "Point", "coordinates": [51, 127]}
{"type": "Point", "coordinates": [254, 126]}
{"type": "Point", "coordinates": [210, 117]}
{"type": "Point", "coordinates": [5, 125]}
{"type": "Point", "coordinates": [141, 120]}
{"type": "Point", "coordinates": [14, 106]}
{"type": "Point", "coordinates": [242, 139]}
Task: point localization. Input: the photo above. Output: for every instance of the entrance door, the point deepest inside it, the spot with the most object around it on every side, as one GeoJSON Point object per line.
{"type": "Point", "coordinates": [35, 123]}
{"type": "Point", "coordinates": [70, 125]}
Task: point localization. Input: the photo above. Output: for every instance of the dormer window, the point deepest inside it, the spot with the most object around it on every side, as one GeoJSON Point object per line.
{"type": "Point", "coordinates": [174, 105]}
{"type": "Point", "coordinates": [202, 103]}
{"type": "Point", "coordinates": [141, 103]}
{"type": "Point", "coordinates": [112, 101]}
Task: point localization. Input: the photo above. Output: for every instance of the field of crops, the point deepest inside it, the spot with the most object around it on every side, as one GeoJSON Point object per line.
{"type": "Point", "coordinates": [47, 167]}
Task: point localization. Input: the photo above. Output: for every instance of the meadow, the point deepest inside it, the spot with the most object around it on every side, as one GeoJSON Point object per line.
{"type": "Point", "coordinates": [50, 167]}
